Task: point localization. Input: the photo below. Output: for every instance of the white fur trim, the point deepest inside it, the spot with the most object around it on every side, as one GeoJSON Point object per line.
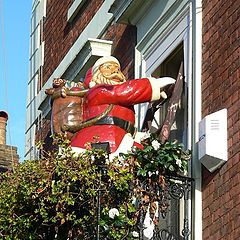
{"type": "Point", "coordinates": [92, 84]}
{"type": "Point", "coordinates": [157, 84]}
{"type": "Point", "coordinates": [124, 147]}
{"type": "Point", "coordinates": [78, 150]}
{"type": "Point", "coordinates": [103, 60]}
{"type": "Point", "coordinates": [139, 136]}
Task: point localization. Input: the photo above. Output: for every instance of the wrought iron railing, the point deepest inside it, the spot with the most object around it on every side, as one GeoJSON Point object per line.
{"type": "Point", "coordinates": [173, 211]}
{"type": "Point", "coordinates": [174, 214]}
{"type": "Point", "coordinates": [174, 218]}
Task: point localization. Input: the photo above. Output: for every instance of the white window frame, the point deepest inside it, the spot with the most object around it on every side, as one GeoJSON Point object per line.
{"type": "Point", "coordinates": [147, 60]}
{"type": "Point", "coordinates": [193, 64]}
{"type": "Point", "coordinates": [74, 9]}
{"type": "Point", "coordinates": [149, 56]}
{"type": "Point", "coordinates": [36, 61]}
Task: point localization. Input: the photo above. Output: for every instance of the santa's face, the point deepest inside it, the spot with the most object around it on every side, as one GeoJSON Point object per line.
{"type": "Point", "coordinates": [112, 72]}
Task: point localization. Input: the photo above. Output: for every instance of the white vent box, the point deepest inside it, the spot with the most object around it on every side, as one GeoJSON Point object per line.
{"type": "Point", "coordinates": [212, 146]}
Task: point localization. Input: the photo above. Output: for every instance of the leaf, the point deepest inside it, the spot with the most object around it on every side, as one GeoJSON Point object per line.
{"type": "Point", "coordinates": [142, 172]}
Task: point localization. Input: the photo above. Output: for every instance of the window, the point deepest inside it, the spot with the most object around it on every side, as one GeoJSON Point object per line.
{"type": "Point", "coordinates": [170, 67]}
{"type": "Point", "coordinates": [40, 79]}
{"type": "Point", "coordinates": [172, 220]}
{"type": "Point", "coordinates": [159, 53]}
{"type": "Point", "coordinates": [162, 46]}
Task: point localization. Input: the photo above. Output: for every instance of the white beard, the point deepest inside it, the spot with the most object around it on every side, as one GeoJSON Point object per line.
{"type": "Point", "coordinates": [98, 78]}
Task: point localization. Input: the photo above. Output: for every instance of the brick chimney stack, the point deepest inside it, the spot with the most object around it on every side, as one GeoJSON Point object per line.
{"type": "Point", "coordinates": [8, 154]}
{"type": "Point", "coordinates": [3, 124]}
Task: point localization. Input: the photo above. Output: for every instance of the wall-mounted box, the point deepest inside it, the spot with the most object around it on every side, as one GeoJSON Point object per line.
{"type": "Point", "coordinates": [212, 145]}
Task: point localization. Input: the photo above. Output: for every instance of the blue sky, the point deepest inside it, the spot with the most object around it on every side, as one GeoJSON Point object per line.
{"type": "Point", "coordinates": [15, 21]}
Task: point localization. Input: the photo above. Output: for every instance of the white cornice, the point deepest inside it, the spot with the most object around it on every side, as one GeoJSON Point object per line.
{"type": "Point", "coordinates": [119, 7]}
{"type": "Point", "coordinates": [93, 49]}
{"type": "Point", "coordinates": [129, 11]}
{"type": "Point", "coordinates": [163, 26]}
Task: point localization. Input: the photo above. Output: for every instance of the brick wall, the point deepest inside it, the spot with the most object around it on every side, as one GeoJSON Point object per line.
{"type": "Point", "coordinates": [124, 42]}
{"type": "Point", "coordinates": [221, 89]}
{"type": "Point", "coordinates": [59, 35]}
{"type": "Point", "coordinates": [8, 156]}
{"type": "Point", "coordinates": [44, 134]}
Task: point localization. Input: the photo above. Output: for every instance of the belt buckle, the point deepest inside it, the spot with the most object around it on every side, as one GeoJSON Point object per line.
{"type": "Point", "coordinates": [129, 129]}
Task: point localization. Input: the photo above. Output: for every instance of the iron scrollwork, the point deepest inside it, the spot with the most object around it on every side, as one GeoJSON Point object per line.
{"type": "Point", "coordinates": [173, 202]}
{"type": "Point", "coordinates": [173, 225]}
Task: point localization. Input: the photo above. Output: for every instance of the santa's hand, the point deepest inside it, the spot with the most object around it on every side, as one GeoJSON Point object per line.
{"type": "Point", "coordinates": [163, 95]}
{"type": "Point", "coordinates": [161, 87]}
{"type": "Point", "coordinates": [166, 91]}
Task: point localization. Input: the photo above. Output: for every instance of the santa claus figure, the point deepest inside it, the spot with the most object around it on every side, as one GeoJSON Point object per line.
{"type": "Point", "coordinates": [108, 106]}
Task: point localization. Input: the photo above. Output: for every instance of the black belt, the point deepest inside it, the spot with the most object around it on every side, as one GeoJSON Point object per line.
{"type": "Point", "coordinates": [127, 126]}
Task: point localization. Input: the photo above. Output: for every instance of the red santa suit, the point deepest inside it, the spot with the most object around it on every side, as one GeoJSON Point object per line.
{"type": "Point", "coordinates": [117, 127]}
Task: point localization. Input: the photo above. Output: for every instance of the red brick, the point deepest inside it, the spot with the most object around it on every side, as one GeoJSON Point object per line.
{"type": "Point", "coordinates": [58, 32]}
{"type": "Point", "coordinates": [220, 88]}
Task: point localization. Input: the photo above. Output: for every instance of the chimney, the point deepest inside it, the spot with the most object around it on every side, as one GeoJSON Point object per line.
{"type": "Point", "coordinates": [3, 124]}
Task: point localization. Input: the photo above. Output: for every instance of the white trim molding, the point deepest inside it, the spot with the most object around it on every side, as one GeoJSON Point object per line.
{"type": "Point", "coordinates": [180, 21]}
{"type": "Point", "coordinates": [124, 11]}
{"type": "Point", "coordinates": [93, 49]}
{"type": "Point", "coordinates": [167, 32]}
{"type": "Point", "coordinates": [196, 116]}
{"type": "Point", "coordinates": [74, 9]}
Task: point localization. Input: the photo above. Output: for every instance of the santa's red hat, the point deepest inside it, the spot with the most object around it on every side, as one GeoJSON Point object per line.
{"type": "Point", "coordinates": [88, 78]}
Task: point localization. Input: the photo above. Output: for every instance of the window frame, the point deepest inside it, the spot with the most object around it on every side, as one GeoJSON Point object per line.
{"type": "Point", "coordinates": [152, 50]}
{"type": "Point", "coordinates": [148, 58]}
{"type": "Point", "coordinates": [74, 9]}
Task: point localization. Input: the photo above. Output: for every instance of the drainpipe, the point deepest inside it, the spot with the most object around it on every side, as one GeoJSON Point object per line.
{"type": "Point", "coordinates": [3, 124]}
{"type": "Point", "coordinates": [196, 117]}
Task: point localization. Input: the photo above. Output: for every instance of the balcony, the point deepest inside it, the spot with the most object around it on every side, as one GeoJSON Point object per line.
{"type": "Point", "coordinates": [173, 213]}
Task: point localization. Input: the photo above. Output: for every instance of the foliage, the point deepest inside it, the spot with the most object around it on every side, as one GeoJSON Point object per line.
{"type": "Point", "coordinates": [156, 158]}
{"type": "Point", "coordinates": [57, 197]}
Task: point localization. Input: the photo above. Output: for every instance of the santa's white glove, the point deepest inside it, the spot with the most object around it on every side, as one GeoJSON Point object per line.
{"type": "Point", "coordinates": [160, 87]}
